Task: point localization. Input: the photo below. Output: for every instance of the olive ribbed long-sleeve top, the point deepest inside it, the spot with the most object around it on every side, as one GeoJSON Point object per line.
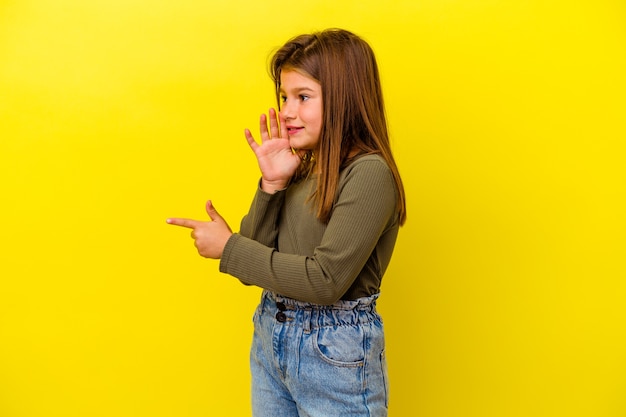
{"type": "Point", "coordinates": [284, 248]}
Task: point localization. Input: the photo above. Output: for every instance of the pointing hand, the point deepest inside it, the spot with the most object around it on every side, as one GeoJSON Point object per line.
{"type": "Point", "coordinates": [210, 236]}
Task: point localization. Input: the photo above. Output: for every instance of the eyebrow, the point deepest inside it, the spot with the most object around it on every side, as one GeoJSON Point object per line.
{"type": "Point", "coordinates": [298, 89]}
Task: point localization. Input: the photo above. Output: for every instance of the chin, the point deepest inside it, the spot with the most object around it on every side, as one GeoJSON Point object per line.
{"type": "Point", "coordinates": [297, 145]}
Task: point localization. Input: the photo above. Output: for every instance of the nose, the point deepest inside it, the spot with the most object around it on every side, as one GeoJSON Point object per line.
{"type": "Point", "coordinates": [287, 111]}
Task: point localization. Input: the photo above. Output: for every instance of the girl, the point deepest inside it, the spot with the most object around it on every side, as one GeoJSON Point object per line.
{"type": "Point", "coordinates": [319, 234]}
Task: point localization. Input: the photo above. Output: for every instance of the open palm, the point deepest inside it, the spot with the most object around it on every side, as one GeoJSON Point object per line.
{"type": "Point", "coordinates": [275, 157]}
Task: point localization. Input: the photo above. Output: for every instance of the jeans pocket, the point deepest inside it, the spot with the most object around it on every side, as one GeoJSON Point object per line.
{"type": "Point", "coordinates": [340, 345]}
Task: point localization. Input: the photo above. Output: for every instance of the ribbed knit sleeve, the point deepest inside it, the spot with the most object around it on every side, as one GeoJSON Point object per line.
{"type": "Point", "coordinates": [261, 222]}
{"type": "Point", "coordinates": [322, 262]}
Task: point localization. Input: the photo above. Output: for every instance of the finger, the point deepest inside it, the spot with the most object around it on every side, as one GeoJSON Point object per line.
{"type": "Point", "coordinates": [265, 135]}
{"type": "Point", "coordinates": [274, 124]}
{"type": "Point", "coordinates": [188, 223]}
{"type": "Point", "coordinates": [210, 210]}
{"type": "Point", "coordinates": [283, 127]}
{"type": "Point", "coordinates": [250, 139]}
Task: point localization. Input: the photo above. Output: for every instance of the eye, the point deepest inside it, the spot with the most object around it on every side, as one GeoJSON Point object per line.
{"type": "Point", "coordinates": [283, 98]}
{"type": "Point", "coordinates": [304, 97]}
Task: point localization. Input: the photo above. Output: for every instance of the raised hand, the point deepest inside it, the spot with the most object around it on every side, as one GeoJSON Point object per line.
{"type": "Point", "coordinates": [276, 159]}
{"type": "Point", "coordinates": [210, 237]}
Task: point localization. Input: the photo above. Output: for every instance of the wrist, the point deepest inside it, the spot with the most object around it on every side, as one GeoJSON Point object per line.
{"type": "Point", "coordinates": [271, 187]}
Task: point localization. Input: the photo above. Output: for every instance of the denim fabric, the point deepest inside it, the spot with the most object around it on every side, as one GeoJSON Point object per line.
{"type": "Point", "coordinates": [309, 360]}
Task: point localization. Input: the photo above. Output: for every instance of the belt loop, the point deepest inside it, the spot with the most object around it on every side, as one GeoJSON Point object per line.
{"type": "Point", "coordinates": [307, 320]}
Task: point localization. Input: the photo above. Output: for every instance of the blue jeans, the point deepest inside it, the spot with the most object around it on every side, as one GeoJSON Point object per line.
{"type": "Point", "coordinates": [309, 360]}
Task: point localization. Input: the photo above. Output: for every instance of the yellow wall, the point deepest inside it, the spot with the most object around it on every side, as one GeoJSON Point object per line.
{"type": "Point", "coordinates": [506, 293]}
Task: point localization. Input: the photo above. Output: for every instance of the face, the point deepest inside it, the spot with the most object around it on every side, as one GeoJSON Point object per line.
{"type": "Point", "coordinates": [301, 108]}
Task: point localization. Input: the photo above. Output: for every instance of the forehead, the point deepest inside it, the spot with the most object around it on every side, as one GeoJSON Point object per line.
{"type": "Point", "coordinates": [292, 79]}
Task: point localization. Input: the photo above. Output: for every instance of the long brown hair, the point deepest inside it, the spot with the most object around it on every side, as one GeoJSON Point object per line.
{"type": "Point", "coordinates": [353, 110]}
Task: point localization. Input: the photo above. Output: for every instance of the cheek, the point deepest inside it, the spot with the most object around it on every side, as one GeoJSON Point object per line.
{"type": "Point", "coordinates": [314, 118]}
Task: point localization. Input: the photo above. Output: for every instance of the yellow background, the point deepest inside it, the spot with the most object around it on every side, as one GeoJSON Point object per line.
{"type": "Point", "coordinates": [506, 293]}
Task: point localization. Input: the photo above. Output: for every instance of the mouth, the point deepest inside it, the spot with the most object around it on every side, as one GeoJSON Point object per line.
{"type": "Point", "coordinates": [292, 130]}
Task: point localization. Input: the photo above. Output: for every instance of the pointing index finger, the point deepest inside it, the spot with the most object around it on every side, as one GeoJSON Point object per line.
{"type": "Point", "coordinates": [188, 223]}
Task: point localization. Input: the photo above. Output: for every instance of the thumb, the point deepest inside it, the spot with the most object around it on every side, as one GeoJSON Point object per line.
{"type": "Point", "coordinates": [210, 210]}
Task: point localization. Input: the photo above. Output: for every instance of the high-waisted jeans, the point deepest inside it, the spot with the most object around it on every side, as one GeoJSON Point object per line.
{"type": "Point", "coordinates": [309, 360]}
